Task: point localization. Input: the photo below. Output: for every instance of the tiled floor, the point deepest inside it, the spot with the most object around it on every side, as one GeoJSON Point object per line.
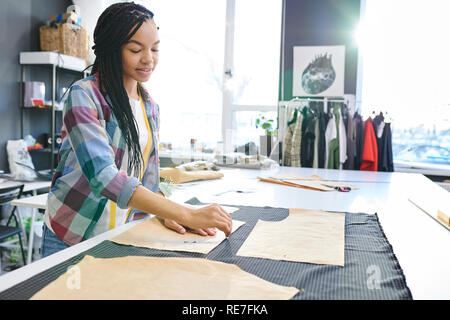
{"type": "Point", "coordinates": [8, 266]}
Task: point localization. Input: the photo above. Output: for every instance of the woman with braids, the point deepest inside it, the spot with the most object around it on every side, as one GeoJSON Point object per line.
{"type": "Point", "coordinates": [108, 168]}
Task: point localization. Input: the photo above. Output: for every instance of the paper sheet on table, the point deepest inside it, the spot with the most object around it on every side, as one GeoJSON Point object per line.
{"type": "Point", "coordinates": [432, 209]}
{"type": "Point", "coordinates": [324, 185]}
{"type": "Point", "coordinates": [309, 184]}
{"type": "Point", "coordinates": [153, 234]}
{"type": "Point", "coordinates": [312, 236]}
{"type": "Point", "coordinates": [228, 209]}
{"type": "Point", "coordinates": [294, 176]}
{"type": "Point", "coordinates": [142, 278]}
{"type": "Point", "coordinates": [313, 182]}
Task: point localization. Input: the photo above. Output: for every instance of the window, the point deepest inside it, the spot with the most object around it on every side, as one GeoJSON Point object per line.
{"type": "Point", "coordinates": [251, 87]}
{"type": "Point", "coordinates": [187, 84]}
{"type": "Point", "coordinates": [405, 63]}
{"type": "Point", "coordinates": [200, 41]}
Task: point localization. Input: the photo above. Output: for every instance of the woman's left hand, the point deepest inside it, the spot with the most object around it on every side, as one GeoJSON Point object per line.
{"type": "Point", "coordinates": [172, 224]}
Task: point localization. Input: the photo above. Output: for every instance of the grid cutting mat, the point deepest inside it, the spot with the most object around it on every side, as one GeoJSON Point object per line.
{"type": "Point", "coordinates": [371, 270]}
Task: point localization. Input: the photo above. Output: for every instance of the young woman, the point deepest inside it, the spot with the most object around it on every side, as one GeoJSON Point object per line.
{"type": "Point", "coordinates": [108, 169]}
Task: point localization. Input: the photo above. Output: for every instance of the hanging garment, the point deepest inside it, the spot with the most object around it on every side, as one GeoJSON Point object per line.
{"type": "Point", "coordinates": [333, 148]}
{"type": "Point", "coordinates": [323, 123]}
{"type": "Point", "coordinates": [342, 140]}
{"type": "Point", "coordinates": [292, 141]}
{"type": "Point", "coordinates": [386, 161]}
{"type": "Point", "coordinates": [316, 144]}
{"type": "Point", "coordinates": [369, 161]}
{"type": "Point", "coordinates": [283, 118]}
{"type": "Point", "coordinates": [351, 143]}
{"type": "Point", "coordinates": [380, 129]}
{"type": "Point", "coordinates": [287, 143]}
{"type": "Point", "coordinates": [359, 140]}
{"type": "Point", "coordinates": [377, 120]}
{"type": "Point", "coordinates": [332, 144]}
{"type": "Point", "coordinates": [344, 114]}
{"type": "Point", "coordinates": [308, 138]}
{"type": "Point", "coordinates": [296, 142]}
{"type": "Point", "coordinates": [378, 125]}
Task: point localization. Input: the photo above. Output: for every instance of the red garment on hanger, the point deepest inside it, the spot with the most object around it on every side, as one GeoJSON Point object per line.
{"type": "Point", "coordinates": [369, 161]}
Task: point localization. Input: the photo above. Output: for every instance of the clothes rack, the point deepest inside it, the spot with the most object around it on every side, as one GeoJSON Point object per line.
{"type": "Point", "coordinates": [311, 150]}
{"type": "Point", "coordinates": [325, 101]}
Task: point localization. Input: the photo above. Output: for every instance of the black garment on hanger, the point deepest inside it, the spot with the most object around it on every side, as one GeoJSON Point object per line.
{"type": "Point", "coordinates": [377, 121]}
{"type": "Point", "coordinates": [386, 162]}
{"type": "Point", "coordinates": [359, 139]}
{"type": "Point", "coordinates": [323, 121]}
{"type": "Point", "coordinates": [350, 128]}
{"type": "Point", "coordinates": [308, 138]}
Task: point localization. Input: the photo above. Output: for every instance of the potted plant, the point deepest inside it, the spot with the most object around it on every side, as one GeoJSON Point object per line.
{"type": "Point", "coordinates": [265, 145]}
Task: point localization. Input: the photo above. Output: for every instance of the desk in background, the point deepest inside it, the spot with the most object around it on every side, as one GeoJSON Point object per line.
{"type": "Point", "coordinates": [33, 188]}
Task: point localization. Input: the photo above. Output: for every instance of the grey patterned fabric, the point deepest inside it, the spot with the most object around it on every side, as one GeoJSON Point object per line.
{"type": "Point", "coordinates": [371, 270]}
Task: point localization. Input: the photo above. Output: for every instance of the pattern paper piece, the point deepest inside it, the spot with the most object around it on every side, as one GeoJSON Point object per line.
{"type": "Point", "coordinates": [313, 182]}
{"type": "Point", "coordinates": [153, 234]}
{"type": "Point", "coordinates": [312, 236]}
{"type": "Point", "coordinates": [228, 209]}
{"type": "Point", "coordinates": [294, 176]}
{"type": "Point", "coordinates": [309, 184]}
{"type": "Point", "coordinates": [144, 278]}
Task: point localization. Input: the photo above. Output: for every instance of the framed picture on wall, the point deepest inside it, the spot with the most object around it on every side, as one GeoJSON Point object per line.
{"type": "Point", "coordinates": [318, 71]}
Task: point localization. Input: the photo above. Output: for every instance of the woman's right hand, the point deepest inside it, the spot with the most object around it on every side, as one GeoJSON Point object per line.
{"type": "Point", "coordinates": [210, 216]}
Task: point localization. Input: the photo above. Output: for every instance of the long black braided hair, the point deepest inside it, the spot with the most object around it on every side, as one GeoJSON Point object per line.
{"type": "Point", "coordinates": [115, 27]}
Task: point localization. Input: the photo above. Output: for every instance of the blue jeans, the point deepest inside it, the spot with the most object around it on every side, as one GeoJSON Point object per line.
{"type": "Point", "coordinates": [51, 243]}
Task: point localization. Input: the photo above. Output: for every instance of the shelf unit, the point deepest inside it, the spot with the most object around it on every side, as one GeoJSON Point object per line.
{"type": "Point", "coordinates": [56, 62]}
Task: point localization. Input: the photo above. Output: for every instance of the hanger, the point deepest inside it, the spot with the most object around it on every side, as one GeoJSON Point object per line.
{"type": "Point", "coordinates": [294, 119]}
{"type": "Point", "coordinates": [336, 107]}
{"type": "Point", "coordinates": [387, 117]}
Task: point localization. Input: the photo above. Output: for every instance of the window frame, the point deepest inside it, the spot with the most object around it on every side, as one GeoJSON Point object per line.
{"type": "Point", "coordinates": [228, 107]}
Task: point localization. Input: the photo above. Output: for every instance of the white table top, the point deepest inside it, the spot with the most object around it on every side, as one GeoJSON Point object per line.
{"type": "Point", "coordinates": [420, 243]}
{"type": "Point", "coordinates": [39, 201]}
{"type": "Point", "coordinates": [28, 186]}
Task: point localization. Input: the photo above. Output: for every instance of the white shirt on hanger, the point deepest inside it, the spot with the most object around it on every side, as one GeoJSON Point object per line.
{"type": "Point", "coordinates": [342, 141]}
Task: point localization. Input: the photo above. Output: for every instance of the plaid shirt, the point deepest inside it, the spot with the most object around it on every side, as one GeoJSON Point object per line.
{"type": "Point", "coordinates": [293, 140]}
{"type": "Point", "coordinates": [92, 149]}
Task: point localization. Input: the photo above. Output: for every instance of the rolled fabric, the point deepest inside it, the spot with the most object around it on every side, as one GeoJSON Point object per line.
{"type": "Point", "coordinates": [176, 175]}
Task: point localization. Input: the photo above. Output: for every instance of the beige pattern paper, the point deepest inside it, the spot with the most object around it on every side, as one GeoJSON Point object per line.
{"type": "Point", "coordinates": [149, 278]}
{"type": "Point", "coordinates": [153, 234]}
{"type": "Point", "coordinates": [228, 209]}
{"type": "Point", "coordinates": [294, 176]}
{"type": "Point", "coordinates": [313, 182]}
{"type": "Point", "coordinates": [312, 236]}
{"type": "Point", "coordinates": [310, 184]}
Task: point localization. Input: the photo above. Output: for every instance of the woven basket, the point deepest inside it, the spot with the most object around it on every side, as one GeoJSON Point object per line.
{"type": "Point", "coordinates": [65, 38]}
